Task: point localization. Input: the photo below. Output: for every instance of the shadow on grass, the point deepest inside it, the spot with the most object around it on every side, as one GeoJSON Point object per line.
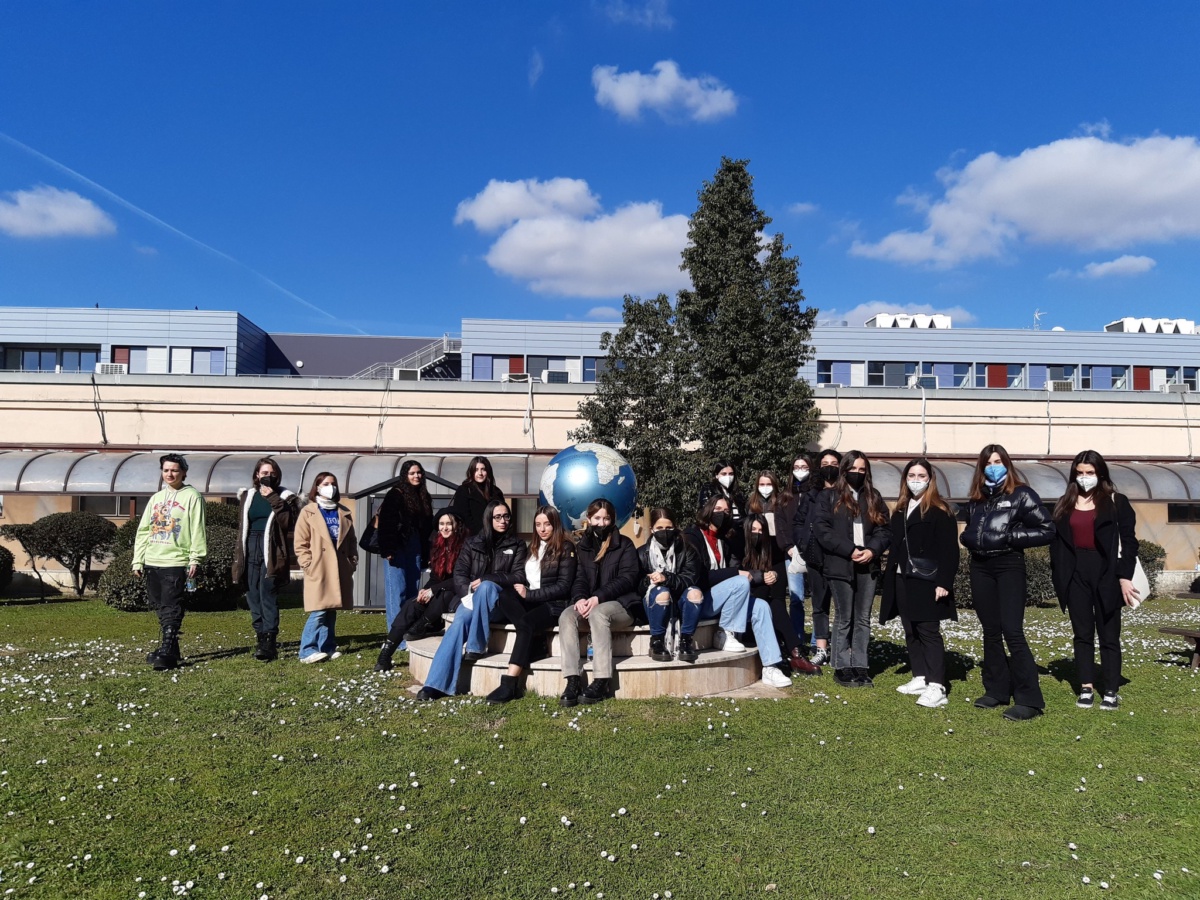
{"type": "Point", "coordinates": [38, 601]}
{"type": "Point", "coordinates": [1063, 670]}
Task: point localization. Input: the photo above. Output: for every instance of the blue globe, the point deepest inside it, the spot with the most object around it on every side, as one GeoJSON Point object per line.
{"type": "Point", "coordinates": [581, 473]}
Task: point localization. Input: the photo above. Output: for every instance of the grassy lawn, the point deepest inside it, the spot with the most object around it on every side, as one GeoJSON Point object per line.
{"type": "Point", "coordinates": [241, 779]}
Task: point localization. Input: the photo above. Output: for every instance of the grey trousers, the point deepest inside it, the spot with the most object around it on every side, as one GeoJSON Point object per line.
{"type": "Point", "coordinates": [600, 622]}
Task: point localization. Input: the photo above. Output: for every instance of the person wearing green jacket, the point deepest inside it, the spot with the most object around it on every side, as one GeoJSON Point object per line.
{"type": "Point", "coordinates": [168, 548]}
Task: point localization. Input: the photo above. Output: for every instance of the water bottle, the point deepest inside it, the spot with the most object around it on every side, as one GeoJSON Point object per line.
{"type": "Point", "coordinates": [589, 647]}
{"type": "Point", "coordinates": [190, 584]}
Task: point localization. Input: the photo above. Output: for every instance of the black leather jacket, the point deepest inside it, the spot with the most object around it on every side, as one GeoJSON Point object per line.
{"type": "Point", "coordinates": [1004, 522]}
{"type": "Point", "coordinates": [504, 563]}
{"type": "Point", "coordinates": [686, 574]}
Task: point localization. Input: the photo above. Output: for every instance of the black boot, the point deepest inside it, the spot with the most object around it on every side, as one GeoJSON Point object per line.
{"type": "Point", "coordinates": [598, 690]}
{"type": "Point", "coordinates": [658, 649]}
{"type": "Point", "coordinates": [260, 647]}
{"type": "Point", "coordinates": [570, 695]}
{"type": "Point", "coordinates": [167, 654]}
{"type": "Point", "coordinates": [272, 646]}
{"type": "Point", "coordinates": [384, 663]}
{"type": "Point", "coordinates": [687, 648]}
{"type": "Point", "coordinates": [509, 690]}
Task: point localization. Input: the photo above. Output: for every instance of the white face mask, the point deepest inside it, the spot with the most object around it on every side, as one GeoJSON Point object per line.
{"type": "Point", "coordinates": [917, 488]}
{"type": "Point", "coordinates": [1087, 482]}
{"type": "Point", "coordinates": [328, 491]}
{"type": "Point", "coordinates": [766, 491]}
{"type": "Point", "coordinates": [800, 474]}
{"type": "Point", "coordinates": [726, 481]}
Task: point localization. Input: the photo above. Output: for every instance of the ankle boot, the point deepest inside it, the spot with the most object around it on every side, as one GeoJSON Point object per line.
{"type": "Point", "coordinates": [570, 695]}
{"type": "Point", "coordinates": [167, 654]}
{"type": "Point", "coordinates": [687, 648]}
{"type": "Point", "coordinates": [658, 649]}
{"type": "Point", "coordinates": [508, 690]}
{"type": "Point", "coordinates": [272, 646]}
{"type": "Point", "coordinates": [384, 663]}
{"type": "Point", "coordinates": [600, 689]}
{"type": "Point", "coordinates": [260, 647]}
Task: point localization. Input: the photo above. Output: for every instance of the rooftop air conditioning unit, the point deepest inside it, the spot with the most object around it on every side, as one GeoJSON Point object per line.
{"type": "Point", "coordinates": [516, 377]}
{"type": "Point", "coordinates": [550, 376]}
{"type": "Point", "coordinates": [112, 369]}
{"type": "Point", "coordinates": [929, 382]}
{"type": "Point", "coordinates": [831, 384]}
{"type": "Point", "coordinates": [1175, 388]}
{"type": "Point", "coordinates": [1060, 386]}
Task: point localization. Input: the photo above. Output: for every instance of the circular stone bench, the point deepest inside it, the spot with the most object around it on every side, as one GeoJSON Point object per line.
{"type": "Point", "coordinates": [635, 675]}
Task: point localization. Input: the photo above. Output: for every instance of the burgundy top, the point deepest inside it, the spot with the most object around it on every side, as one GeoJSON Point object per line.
{"type": "Point", "coordinates": [1083, 528]}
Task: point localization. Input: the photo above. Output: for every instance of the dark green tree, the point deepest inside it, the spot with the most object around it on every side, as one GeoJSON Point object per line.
{"type": "Point", "coordinates": [30, 539]}
{"type": "Point", "coordinates": [715, 375]}
{"type": "Point", "coordinates": [74, 539]}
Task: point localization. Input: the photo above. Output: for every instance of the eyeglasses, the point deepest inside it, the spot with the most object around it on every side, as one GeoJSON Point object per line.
{"type": "Point", "coordinates": [504, 517]}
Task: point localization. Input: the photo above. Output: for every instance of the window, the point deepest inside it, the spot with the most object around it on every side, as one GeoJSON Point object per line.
{"type": "Point", "coordinates": [999, 375]}
{"type": "Point", "coordinates": [594, 367]}
{"type": "Point", "coordinates": [481, 367]}
{"type": "Point", "coordinates": [79, 360]}
{"type": "Point", "coordinates": [539, 364]}
{"type": "Point", "coordinates": [890, 374]}
{"type": "Point", "coordinates": [211, 361]}
{"type": "Point", "coordinates": [1182, 375]}
{"type": "Point", "coordinates": [1183, 512]}
{"type": "Point", "coordinates": [111, 506]}
{"type": "Point", "coordinates": [1104, 378]}
{"type": "Point", "coordinates": [948, 374]}
{"type": "Point", "coordinates": [37, 359]}
{"type": "Point", "coordinates": [831, 371]}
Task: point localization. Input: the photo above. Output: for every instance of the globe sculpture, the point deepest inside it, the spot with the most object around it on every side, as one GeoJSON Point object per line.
{"type": "Point", "coordinates": [579, 474]}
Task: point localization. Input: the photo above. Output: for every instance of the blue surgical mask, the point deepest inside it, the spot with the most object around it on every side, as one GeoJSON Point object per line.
{"type": "Point", "coordinates": [995, 474]}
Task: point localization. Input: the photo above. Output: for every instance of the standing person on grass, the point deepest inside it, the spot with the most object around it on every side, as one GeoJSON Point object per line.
{"type": "Point", "coordinates": [405, 523]}
{"type": "Point", "coordinates": [1092, 560]}
{"type": "Point", "coordinates": [724, 484]}
{"type": "Point", "coordinates": [919, 582]}
{"type": "Point", "coordinates": [478, 489]}
{"type": "Point", "coordinates": [327, 551]}
{"type": "Point", "coordinates": [268, 517]}
{"type": "Point", "coordinates": [767, 564]}
{"type": "Point", "coordinates": [804, 534]}
{"type": "Point", "coordinates": [534, 607]}
{"type": "Point", "coordinates": [796, 492]}
{"type": "Point", "coordinates": [490, 562]}
{"type": "Point", "coordinates": [605, 598]}
{"type": "Point", "coordinates": [1004, 518]}
{"type": "Point", "coordinates": [852, 529]}
{"type": "Point", "coordinates": [167, 550]}
{"type": "Point", "coordinates": [669, 568]}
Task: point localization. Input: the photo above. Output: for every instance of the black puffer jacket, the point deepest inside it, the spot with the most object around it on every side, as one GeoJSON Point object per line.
{"type": "Point", "coordinates": [558, 579]}
{"type": "Point", "coordinates": [504, 563]}
{"type": "Point", "coordinates": [804, 538]}
{"type": "Point", "coordinates": [1004, 522]}
{"type": "Point", "coordinates": [614, 577]}
{"type": "Point", "coordinates": [686, 574]}
{"type": "Point", "coordinates": [711, 576]}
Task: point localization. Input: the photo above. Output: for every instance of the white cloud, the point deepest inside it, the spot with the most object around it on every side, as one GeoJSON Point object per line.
{"type": "Point", "coordinates": [1084, 192]}
{"type": "Point", "coordinates": [858, 315]}
{"type": "Point", "coordinates": [802, 209]}
{"type": "Point", "coordinates": [502, 203]}
{"type": "Point", "coordinates": [604, 314]}
{"type": "Point", "coordinates": [556, 239]}
{"type": "Point", "coordinates": [650, 14]}
{"type": "Point", "coordinates": [52, 212]}
{"type": "Point", "coordinates": [145, 250]}
{"type": "Point", "coordinates": [537, 66]}
{"type": "Point", "coordinates": [666, 91]}
{"type": "Point", "coordinates": [1122, 265]}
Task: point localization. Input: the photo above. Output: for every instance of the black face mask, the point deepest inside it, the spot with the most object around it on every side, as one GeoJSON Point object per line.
{"type": "Point", "coordinates": [756, 540]}
{"type": "Point", "coordinates": [666, 537]}
{"type": "Point", "coordinates": [856, 479]}
{"type": "Point", "coordinates": [599, 532]}
{"type": "Point", "coordinates": [719, 519]}
{"type": "Point", "coordinates": [270, 481]}
{"type": "Point", "coordinates": [830, 474]}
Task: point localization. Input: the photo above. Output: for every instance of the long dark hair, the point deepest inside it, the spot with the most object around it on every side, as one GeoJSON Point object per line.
{"type": "Point", "coordinates": [267, 461]}
{"type": "Point", "coordinates": [817, 468]}
{"type": "Point", "coordinates": [489, 485]}
{"type": "Point", "coordinates": [443, 552]}
{"type": "Point", "coordinates": [558, 536]}
{"type": "Point", "coordinates": [487, 532]}
{"type": "Point", "coordinates": [931, 499]}
{"type": "Point", "coordinates": [663, 512]}
{"type": "Point", "coordinates": [704, 517]}
{"type": "Point", "coordinates": [759, 559]}
{"type": "Point", "coordinates": [1103, 492]}
{"type": "Point", "coordinates": [757, 504]}
{"type": "Point", "coordinates": [417, 502]}
{"type": "Point", "coordinates": [1011, 483]}
{"type": "Point", "coordinates": [876, 510]}
{"type": "Point", "coordinates": [594, 507]}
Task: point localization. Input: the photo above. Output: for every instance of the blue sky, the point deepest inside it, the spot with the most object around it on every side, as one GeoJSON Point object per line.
{"type": "Point", "coordinates": [394, 167]}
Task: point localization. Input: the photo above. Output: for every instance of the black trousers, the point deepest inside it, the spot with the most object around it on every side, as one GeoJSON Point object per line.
{"type": "Point", "coordinates": [261, 595]}
{"type": "Point", "coordinates": [926, 650]}
{"type": "Point", "coordinates": [164, 592]}
{"type": "Point", "coordinates": [781, 621]}
{"type": "Point", "coordinates": [531, 620]}
{"type": "Point", "coordinates": [429, 615]}
{"type": "Point", "coordinates": [998, 590]}
{"type": "Point", "coordinates": [822, 597]}
{"type": "Point", "coordinates": [1089, 621]}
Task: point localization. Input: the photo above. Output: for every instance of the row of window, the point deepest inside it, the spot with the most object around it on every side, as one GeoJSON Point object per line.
{"type": "Point", "coordinates": [51, 359]}
{"type": "Point", "coordinates": [140, 360]}
{"type": "Point", "coordinates": [1033, 376]}
{"type": "Point", "coordinates": [492, 367]}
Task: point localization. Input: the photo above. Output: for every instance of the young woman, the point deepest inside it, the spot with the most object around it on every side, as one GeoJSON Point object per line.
{"type": "Point", "coordinates": [604, 597]}
{"type": "Point", "coordinates": [767, 564]}
{"type": "Point", "coordinates": [724, 484]}
{"type": "Point", "coordinates": [490, 562]}
{"type": "Point", "coordinates": [809, 549]}
{"type": "Point", "coordinates": [723, 590]}
{"type": "Point", "coordinates": [852, 528]}
{"type": "Point", "coordinates": [475, 493]}
{"type": "Point", "coordinates": [796, 493]}
{"type": "Point", "coordinates": [534, 607]}
{"type": "Point", "coordinates": [1004, 518]}
{"type": "Point", "coordinates": [405, 521]}
{"type": "Point", "coordinates": [261, 555]}
{"type": "Point", "coordinates": [423, 618]}
{"type": "Point", "coordinates": [669, 568]}
{"type": "Point", "coordinates": [919, 582]}
{"type": "Point", "coordinates": [328, 553]}
{"type": "Point", "coordinates": [1092, 560]}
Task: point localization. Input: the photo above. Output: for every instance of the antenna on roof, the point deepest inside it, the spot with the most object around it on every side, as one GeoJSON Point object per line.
{"type": "Point", "coordinates": [1037, 319]}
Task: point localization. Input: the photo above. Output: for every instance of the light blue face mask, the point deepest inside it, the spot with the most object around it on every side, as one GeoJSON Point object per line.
{"type": "Point", "coordinates": [995, 474]}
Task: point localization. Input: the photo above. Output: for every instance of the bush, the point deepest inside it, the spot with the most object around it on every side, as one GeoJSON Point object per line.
{"type": "Point", "coordinates": [222, 515]}
{"type": "Point", "coordinates": [6, 568]}
{"type": "Point", "coordinates": [1154, 559]}
{"type": "Point", "coordinates": [123, 590]}
{"type": "Point", "coordinates": [120, 588]}
{"type": "Point", "coordinates": [1039, 589]}
{"type": "Point", "coordinates": [74, 539]}
{"type": "Point", "coordinates": [125, 536]}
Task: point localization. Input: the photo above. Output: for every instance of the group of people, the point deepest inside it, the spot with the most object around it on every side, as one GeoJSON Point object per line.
{"type": "Point", "coordinates": [742, 561]}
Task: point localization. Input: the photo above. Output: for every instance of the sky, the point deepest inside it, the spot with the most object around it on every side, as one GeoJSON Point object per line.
{"type": "Point", "coordinates": [392, 168]}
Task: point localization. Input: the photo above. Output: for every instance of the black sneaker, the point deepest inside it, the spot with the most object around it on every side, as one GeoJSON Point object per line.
{"type": "Point", "coordinates": [1110, 701]}
{"type": "Point", "coordinates": [658, 649]}
{"type": "Point", "coordinates": [1086, 698]}
{"type": "Point", "coordinates": [428, 694]}
{"type": "Point", "coordinates": [571, 693]}
{"type": "Point", "coordinates": [845, 677]}
{"type": "Point", "coordinates": [986, 702]}
{"type": "Point", "coordinates": [687, 648]}
{"type": "Point", "coordinates": [473, 655]}
{"type": "Point", "coordinates": [862, 677]}
{"type": "Point", "coordinates": [1020, 713]}
{"type": "Point", "coordinates": [599, 690]}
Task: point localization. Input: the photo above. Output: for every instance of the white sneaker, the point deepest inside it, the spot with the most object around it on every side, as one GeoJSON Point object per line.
{"type": "Point", "coordinates": [916, 686]}
{"type": "Point", "coordinates": [315, 657]}
{"type": "Point", "coordinates": [933, 696]}
{"type": "Point", "coordinates": [727, 642]}
{"type": "Point", "coordinates": [336, 654]}
{"type": "Point", "coordinates": [774, 678]}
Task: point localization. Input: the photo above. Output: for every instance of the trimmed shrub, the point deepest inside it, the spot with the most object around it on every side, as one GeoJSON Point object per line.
{"type": "Point", "coordinates": [1154, 559]}
{"type": "Point", "coordinates": [125, 536]}
{"type": "Point", "coordinates": [215, 590]}
{"type": "Point", "coordinates": [120, 588]}
{"type": "Point", "coordinates": [1039, 586]}
{"type": "Point", "coordinates": [74, 539]}
{"type": "Point", "coordinates": [6, 568]}
{"type": "Point", "coordinates": [221, 515]}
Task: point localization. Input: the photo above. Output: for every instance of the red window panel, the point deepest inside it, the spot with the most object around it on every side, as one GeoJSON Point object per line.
{"type": "Point", "coordinates": [120, 355]}
{"type": "Point", "coordinates": [1141, 378]}
{"type": "Point", "coordinates": [516, 365]}
{"type": "Point", "coordinates": [997, 375]}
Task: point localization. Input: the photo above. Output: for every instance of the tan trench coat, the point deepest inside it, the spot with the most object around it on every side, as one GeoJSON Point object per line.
{"type": "Point", "coordinates": [328, 570]}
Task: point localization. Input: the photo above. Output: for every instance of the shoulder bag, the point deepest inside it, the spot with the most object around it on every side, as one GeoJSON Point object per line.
{"type": "Point", "coordinates": [918, 567]}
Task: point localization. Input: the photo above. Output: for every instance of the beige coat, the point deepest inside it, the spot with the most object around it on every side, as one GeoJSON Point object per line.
{"type": "Point", "coordinates": [328, 570]}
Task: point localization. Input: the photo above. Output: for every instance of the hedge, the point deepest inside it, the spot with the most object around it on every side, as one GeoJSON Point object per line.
{"type": "Point", "coordinates": [6, 568]}
{"type": "Point", "coordinates": [121, 589]}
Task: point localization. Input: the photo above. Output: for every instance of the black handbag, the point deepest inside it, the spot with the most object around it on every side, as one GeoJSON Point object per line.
{"type": "Point", "coordinates": [918, 566]}
{"type": "Point", "coordinates": [370, 536]}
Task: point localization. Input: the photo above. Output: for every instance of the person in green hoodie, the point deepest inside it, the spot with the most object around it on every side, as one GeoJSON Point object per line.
{"type": "Point", "coordinates": [168, 548]}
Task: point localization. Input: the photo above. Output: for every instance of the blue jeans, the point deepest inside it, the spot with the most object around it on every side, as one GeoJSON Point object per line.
{"type": "Point", "coordinates": [658, 604]}
{"type": "Point", "coordinates": [796, 601]}
{"type": "Point", "coordinates": [479, 623]}
{"type": "Point", "coordinates": [443, 670]}
{"type": "Point", "coordinates": [318, 634]}
{"type": "Point", "coordinates": [401, 578]}
{"type": "Point", "coordinates": [730, 599]}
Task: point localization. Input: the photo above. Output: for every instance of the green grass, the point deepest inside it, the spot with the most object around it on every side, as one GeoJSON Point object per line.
{"type": "Point", "coordinates": [108, 766]}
